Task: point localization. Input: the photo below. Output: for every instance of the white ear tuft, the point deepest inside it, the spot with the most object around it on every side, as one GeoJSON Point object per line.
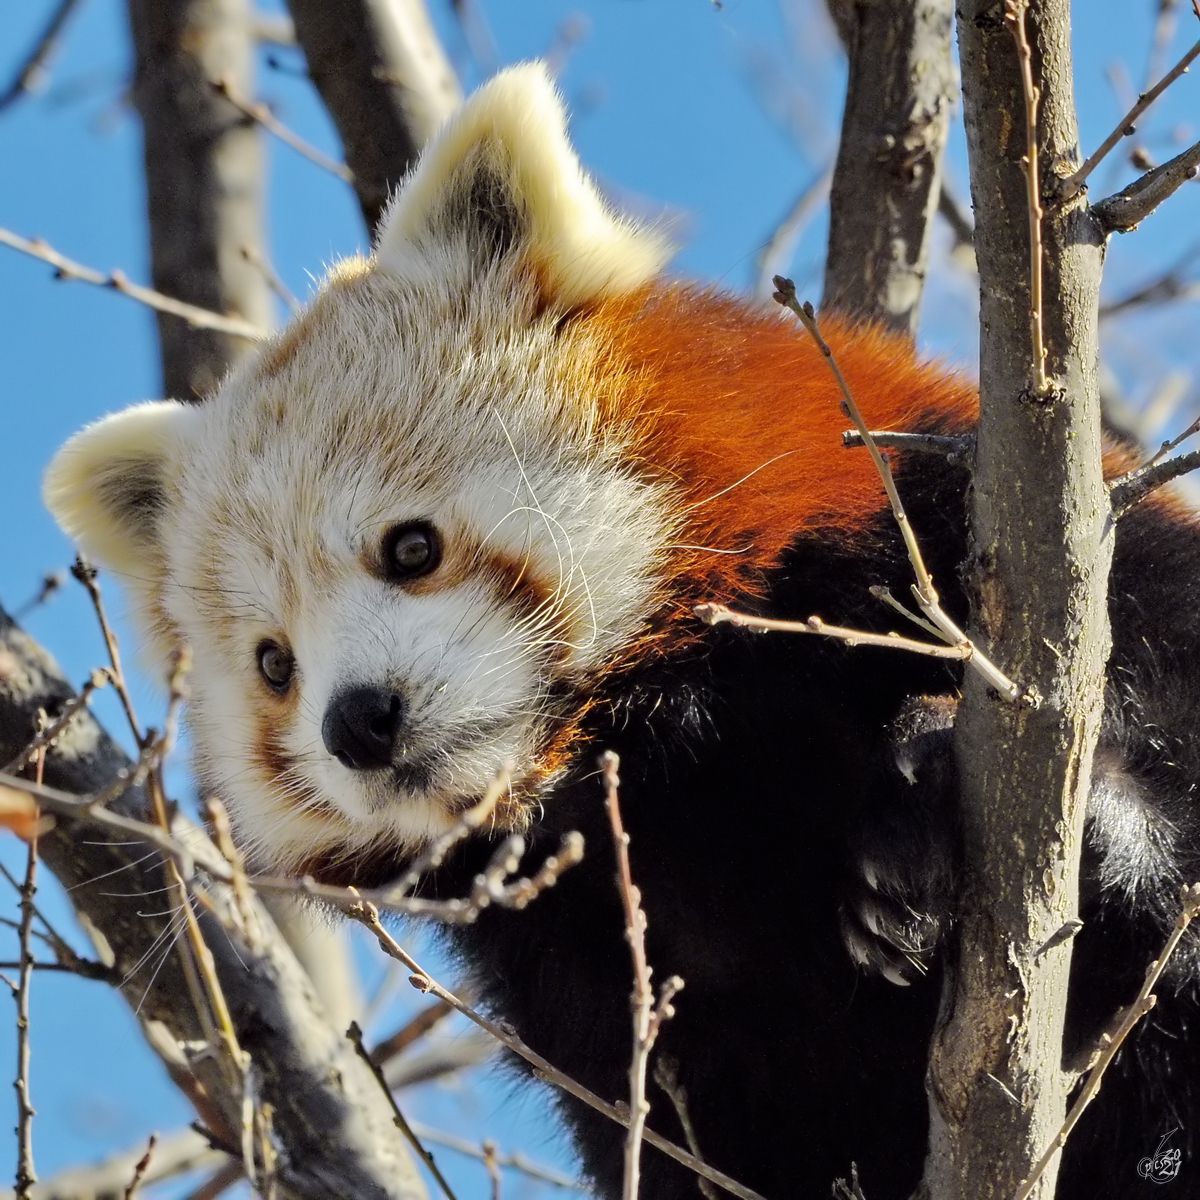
{"type": "Point", "coordinates": [108, 484]}
{"type": "Point", "coordinates": [502, 178]}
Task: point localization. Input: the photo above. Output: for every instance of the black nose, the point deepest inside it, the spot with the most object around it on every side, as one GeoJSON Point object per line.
{"type": "Point", "coordinates": [360, 727]}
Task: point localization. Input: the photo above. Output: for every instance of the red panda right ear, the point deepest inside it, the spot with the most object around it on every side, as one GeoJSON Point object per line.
{"type": "Point", "coordinates": [502, 180]}
{"type": "Point", "coordinates": [108, 485]}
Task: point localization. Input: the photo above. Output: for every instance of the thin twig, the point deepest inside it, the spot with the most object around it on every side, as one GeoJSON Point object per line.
{"type": "Point", "coordinates": [514, 1162]}
{"type": "Point", "coordinates": [367, 914]}
{"type": "Point", "coordinates": [256, 259]}
{"type": "Point", "coordinates": [923, 590]}
{"type": "Point", "coordinates": [354, 1033]}
{"type": "Point", "coordinates": [90, 578]}
{"type": "Point", "coordinates": [34, 65]}
{"type": "Point", "coordinates": [139, 1171]}
{"type": "Point", "coordinates": [51, 583]}
{"type": "Point", "coordinates": [666, 1075]}
{"type": "Point", "coordinates": [1070, 186]}
{"type": "Point", "coordinates": [26, 1174]}
{"type": "Point", "coordinates": [1133, 488]}
{"type": "Point", "coordinates": [647, 1017]}
{"type": "Point", "coordinates": [491, 888]}
{"type": "Point", "coordinates": [1126, 209]}
{"type": "Point", "coordinates": [1111, 1043]}
{"type": "Point", "coordinates": [261, 114]}
{"type": "Point", "coordinates": [98, 679]}
{"type": "Point", "coordinates": [1171, 443]}
{"type": "Point", "coordinates": [493, 1167]}
{"type": "Point", "coordinates": [1014, 17]}
{"type": "Point", "coordinates": [718, 614]}
{"type": "Point", "coordinates": [409, 1032]}
{"type": "Point", "coordinates": [67, 269]}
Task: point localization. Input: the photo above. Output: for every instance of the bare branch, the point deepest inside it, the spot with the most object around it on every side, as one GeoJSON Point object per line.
{"type": "Point", "coordinates": [386, 81]}
{"type": "Point", "coordinates": [1014, 17]}
{"type": "Point", "coordinates": [34, 66]}
{"type": "Point", "coordinates": [354, 1034]}
{"type": "Point", "coordinates": [368, 915]}
{"type": "Point", "coordinates": [1123, 211]}
{"type": "Point", "coordinates": [263, 116]}
{"type": "Point", "coordinates": [515, 1162]}
{"type": "Point", "coordinates": [26, 1175]}
{"type": "Point", "coordinates": [45, 737]}
{"type": "Point", "coordinates": [51, 583]}
{"type": "Point", "coordinates": [493, 887]}
{"type": "Point", "coordinates": [718, 614]}
{"type": "Point", "coordinates": [923, 590]}
{"type": "Point", "coordinates": [647, 1016]}
{"type": "Point", "coordinates": [140, 1169]}
{"type": "Point", "coordinates": [955, 448]}
{"type": "Point", "coordinates": [666, 1075]}
{"type": "Point", "coordinates": [175, 1154]}
{"type": "Point", "coordinates": [1111, 1043]}
{"type": "Point", "coordinates": [410, 1032]}
{"type": "Point", "coordinates": [1070, 186]}
{"type": "Point", "coordinates": [67, 269]}
{"type": "Point", "coordinates": [1133, 488]}
{"type": "Point", "coordinates": [887, 181]}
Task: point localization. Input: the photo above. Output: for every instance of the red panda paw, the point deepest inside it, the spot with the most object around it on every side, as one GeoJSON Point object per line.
{"type": "Point", "coordinates": [898, 902]}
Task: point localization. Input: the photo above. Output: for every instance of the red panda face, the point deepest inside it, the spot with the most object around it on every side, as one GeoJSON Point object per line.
{"type": "Point", "coordinates": [400, 545]}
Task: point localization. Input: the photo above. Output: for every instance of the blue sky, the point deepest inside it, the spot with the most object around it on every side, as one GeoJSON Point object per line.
{"type": "Point", "coordinates": [716, 116]}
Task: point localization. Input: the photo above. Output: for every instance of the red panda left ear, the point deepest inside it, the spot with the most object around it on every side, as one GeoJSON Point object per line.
{"type": "Point", "coordinates": [502, 181]}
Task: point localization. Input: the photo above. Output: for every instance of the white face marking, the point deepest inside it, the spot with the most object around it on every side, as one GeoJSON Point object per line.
{"type": "Point", "coordinates": [384, 413]}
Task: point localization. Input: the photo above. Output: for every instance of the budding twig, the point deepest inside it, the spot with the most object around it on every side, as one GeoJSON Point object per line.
{"type": "Point", "coordinates": [367, 914]}
{"type": "Point", "coordinates": [1111, 1043]}
{"type": "Point", "coordinates": [647, 1017]}
{"type": "Point", "coordinates": [99, 678]}
{"type": "Point", "coordinates": [1014, 18]}
{"type": "Point", "coordinates": [923, 590]}
{"type": "Point", "coordinates": [263, 116]}
{"type": "Point", "coordinates": [354, 1033]}
{"type": "Point", "coordinates": [26, 1175]}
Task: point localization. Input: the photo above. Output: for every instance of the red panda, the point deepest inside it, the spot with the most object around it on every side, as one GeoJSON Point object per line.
{"type": "Point", "coordinates": [460, 512]}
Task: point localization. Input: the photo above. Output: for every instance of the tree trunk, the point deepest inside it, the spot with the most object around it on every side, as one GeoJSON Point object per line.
{"type": "Point", "coordinates": [887, 181]}
{"type": "Point", "coordinates": [386, 81]}
{"type": "Point", "coordinates": [1041, 551]}
{"type": "Point", "coordinates": [204, 179]}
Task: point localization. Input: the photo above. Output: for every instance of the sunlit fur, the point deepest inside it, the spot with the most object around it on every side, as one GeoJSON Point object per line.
{"type": "Point", "coordinates": [589, 443]}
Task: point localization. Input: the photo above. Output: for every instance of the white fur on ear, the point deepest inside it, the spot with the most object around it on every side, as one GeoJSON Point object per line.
{"type": "Point", "coordinates": [107, 485]}
{"type": "Point", "coordinates": [503, 172]}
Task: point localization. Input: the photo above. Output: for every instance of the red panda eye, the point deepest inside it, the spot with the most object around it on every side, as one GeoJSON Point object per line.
{"type": "Point", "coordinates": [276, 665]}
{"type": "Point", "coordinates": [410, 551]}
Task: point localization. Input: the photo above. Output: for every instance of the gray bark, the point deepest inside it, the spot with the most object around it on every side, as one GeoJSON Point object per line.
{"type": "Point", "coordinates": [331, 1119]}
{"type": "Point", "coordinates": [1041, 553]}
{"type": "Point", "coordinates": [887, 180]}
{"type": "Point", "coordinates": [204, 179]}
{"type": "Point", "coordinates": [386, 81]}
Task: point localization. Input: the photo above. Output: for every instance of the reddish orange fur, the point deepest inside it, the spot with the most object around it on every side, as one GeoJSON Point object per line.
{"type": "Point", "coordinates": [739, 406]}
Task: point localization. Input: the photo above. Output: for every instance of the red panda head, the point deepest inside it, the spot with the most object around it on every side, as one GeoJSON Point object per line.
{"type": "Point", "coordinates": [402, 536]}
